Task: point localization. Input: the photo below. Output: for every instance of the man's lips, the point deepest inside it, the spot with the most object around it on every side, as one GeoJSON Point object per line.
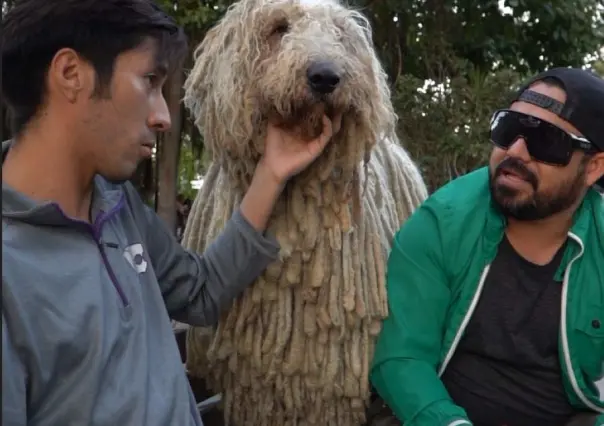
{"type": "Point", "coordinates": [148, 146]}
{"type": "Point", "coordinates": [511, 173]}
{"type": "Point", "coordinates": [513, 178]}
{"type": "Point", "coordinates": [147, 149]}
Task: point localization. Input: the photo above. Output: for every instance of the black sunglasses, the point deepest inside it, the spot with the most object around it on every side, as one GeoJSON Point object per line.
{"type": "Point", "coordinates": [545, 142]}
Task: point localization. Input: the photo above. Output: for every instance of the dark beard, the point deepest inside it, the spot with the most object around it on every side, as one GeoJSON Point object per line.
{"type": "Point", "coordinates": [540, 205]}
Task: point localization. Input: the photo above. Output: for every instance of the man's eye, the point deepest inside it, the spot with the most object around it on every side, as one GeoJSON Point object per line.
{"type": "Point", "coordinates": [152, 79]}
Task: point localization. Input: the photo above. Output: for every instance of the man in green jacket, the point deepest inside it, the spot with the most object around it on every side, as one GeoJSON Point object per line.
{"type": "Point", "coordinates": [496, 283]}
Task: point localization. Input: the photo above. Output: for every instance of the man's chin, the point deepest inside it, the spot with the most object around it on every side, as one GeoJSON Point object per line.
{"type": "Point", "coordinates": [511, 202]}
{"type": "Point", "coordinates": [515, 210]}
{"type": "Point", "coordinates": [504, 193]}
{"type": "Point", "coordinates": [120, 177]}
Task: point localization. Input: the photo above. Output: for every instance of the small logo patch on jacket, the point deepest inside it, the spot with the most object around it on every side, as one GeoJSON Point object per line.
{"type": "Point", "coordinates": [134, 256]}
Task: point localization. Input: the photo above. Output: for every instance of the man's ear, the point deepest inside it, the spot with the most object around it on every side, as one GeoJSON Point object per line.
{"type": "Point", "coordinates": [595, 169]}
{"type": "Point", "coordinates": [70, 76]}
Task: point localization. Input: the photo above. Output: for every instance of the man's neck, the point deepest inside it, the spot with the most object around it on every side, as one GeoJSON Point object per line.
{"type": "Point", "coordinates": [45, 169]}
{"type": "Point", "coordinates": [539, 241]}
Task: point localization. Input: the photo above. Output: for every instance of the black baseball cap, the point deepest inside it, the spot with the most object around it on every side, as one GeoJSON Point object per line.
{"type": "Point", "coordinates": [584, 106]}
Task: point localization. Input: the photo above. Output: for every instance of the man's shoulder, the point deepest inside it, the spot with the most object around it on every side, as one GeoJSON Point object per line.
{"type": "Point", "coordinates": [589, 223]}
{"type": "Point", "coordinates": [453, 218]}
{"type": "Point", "coordinates": [467, 195]}
{"type": "Point", "coordinates": [472, 186]}
{"type": "Point", "coordinates": [598, 204]}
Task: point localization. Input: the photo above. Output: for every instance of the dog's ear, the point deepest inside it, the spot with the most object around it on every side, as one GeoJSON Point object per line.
{"type": "Point", "coordinates": [206, 57]}
{"type": "Point", "coordinates": [218, 90]}
{"type": "Point", "coordinates": [363, 25]}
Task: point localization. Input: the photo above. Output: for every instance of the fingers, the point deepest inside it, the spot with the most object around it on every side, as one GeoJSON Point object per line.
{"type": "Point", "coordinates": [327, 132]}
{"type": "Point", "coordinates": [337, 123]}
{"type": "Point", "coordinates": [316, 146]}
{"type": "Point", "coordinates": [330, 128]}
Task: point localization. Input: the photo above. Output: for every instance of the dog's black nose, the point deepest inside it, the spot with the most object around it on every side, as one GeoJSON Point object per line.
{"type": "Point", "coordinates": [322, 77]}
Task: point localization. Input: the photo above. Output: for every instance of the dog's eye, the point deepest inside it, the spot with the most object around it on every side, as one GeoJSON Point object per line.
{"type": "Point", "coordinates": [280, 29]}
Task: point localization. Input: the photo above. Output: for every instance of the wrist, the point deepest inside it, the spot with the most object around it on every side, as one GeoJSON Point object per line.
{"type": "Point", "coordinates": [258, 203]}
{"type": "Point", "coordinates": [268, 178]}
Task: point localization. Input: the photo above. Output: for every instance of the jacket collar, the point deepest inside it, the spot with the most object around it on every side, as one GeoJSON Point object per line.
{"type": "Point", "coordinates": [588, 212]}
{"type": "Point", "coordinates": [17, 206]}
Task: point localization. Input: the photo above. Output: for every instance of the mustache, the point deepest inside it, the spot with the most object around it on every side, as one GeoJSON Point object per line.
{"type": "Point", "coordinates": [516, 166]}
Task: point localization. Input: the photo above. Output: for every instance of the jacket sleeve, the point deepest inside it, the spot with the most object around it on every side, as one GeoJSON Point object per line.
{"type": "Point", "coordinates": [14, 379]}
{"type": "Point", "coordinates": [600, 420]}
{"type": "Point", "coordinates": [404, 370]}
{"type": "Point", "coordinates": [197, 287]}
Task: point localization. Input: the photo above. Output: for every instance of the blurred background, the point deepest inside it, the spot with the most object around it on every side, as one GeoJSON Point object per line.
{"type": "Point", "coordinates": [450, 63]}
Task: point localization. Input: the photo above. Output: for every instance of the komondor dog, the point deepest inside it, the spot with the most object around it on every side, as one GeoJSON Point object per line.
{"type": "Point", "coordinates": [295, 348]}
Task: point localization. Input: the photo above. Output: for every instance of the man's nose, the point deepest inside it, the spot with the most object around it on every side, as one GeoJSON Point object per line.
{"type": "Point", "coordinates": [160, 120]}
{"type": "Point", "coordinates": [519, 150]}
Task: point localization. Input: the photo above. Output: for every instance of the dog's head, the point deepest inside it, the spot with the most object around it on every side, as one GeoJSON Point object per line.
{"type": "Point", "coordinates": [290, 61]}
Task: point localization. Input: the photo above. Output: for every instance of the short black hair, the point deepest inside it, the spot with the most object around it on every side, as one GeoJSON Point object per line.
{"type": "Point", "coordinates": [99, 30]}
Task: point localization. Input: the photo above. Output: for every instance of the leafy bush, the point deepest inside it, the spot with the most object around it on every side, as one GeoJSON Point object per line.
{"type": "Point", "coordinates": [445, 127]}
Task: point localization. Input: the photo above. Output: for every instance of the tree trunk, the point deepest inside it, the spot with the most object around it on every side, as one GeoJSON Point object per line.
{"type": "Point", "coordinates": [169, 152]}
{"type": "Point", "coordinates": [144, 180]}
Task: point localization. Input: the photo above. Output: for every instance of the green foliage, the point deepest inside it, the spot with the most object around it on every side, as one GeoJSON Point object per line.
{"type": "Point", "coordinates": [598, 68]}
{"type": "Point", "coordinates": [525, 35]}
{"type": "Point", "coordinates": [445, 127]}
{"type": "Point", "coordinates": [191, 167]}
{"type": "Point", "coordinates": [531, 35]}
{"type": "Point", "coordinates": [196, 16]}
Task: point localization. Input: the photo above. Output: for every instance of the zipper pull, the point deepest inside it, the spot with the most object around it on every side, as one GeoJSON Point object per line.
{"type": "Point", "coordinates": [110, 245]}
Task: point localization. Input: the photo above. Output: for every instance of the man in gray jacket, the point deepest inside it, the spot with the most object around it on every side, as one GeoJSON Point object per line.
{"type": "Point", "coordinates": [90, 275]}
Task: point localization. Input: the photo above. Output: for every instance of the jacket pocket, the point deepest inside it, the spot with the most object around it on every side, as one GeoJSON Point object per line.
{"type": "Point", "coordinates": [589, 345]}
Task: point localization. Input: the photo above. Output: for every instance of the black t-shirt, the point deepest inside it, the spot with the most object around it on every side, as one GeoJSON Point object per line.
{"type": "Point", "coordinates": [506, 370]}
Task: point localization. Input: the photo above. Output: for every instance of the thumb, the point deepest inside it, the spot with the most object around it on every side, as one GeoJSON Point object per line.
{"type": "Point", "coordinates": [316, 146]}
{"type": "Point", "coordinates": [326, 134]}
{"type": "Point", "coordinates": [337, 123]}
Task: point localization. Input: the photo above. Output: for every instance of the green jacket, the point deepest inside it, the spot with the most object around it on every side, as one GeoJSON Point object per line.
{"type": "Point", "coordinates": [436, 271]}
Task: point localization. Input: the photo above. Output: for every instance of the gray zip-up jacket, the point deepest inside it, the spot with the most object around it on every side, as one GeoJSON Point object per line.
{"type": "Point", "coordinates": [86, 308]}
